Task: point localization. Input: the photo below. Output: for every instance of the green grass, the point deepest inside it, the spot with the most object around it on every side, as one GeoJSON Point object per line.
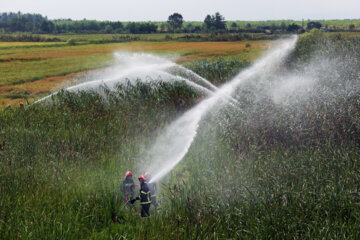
{"type": "Point", "coordinates": [335, 22]}
{"type": "Point", "coordinates": [218, 70]}
{"type": "Point", "coordinates": [21, 72]}
{"type": "Point", "coordinates": [245, 176]}
{"type": "Point", "coordinates": [60, 183]}
{"type": "Point", "coordinates": [26, 66]}
{"type": "Point", "coordinates": [94, 37]}
{"type": "Point", "coordinates": [34, 65]}
{"type": "Point", "coordinates": [56, 39]}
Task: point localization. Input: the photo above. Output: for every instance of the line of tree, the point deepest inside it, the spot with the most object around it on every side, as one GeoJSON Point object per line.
{"type": "Point", "coordinates": [18, 22]}
{"type": "Point", "coordinates": [215, 22]}
{"type": "Point", "coordinates": [36, 23]}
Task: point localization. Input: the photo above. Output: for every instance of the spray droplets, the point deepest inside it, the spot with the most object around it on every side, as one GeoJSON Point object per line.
{"type": "Point", "coordinates": [143, 67]}
{"type": "Point", "coordinates": [172, 145]}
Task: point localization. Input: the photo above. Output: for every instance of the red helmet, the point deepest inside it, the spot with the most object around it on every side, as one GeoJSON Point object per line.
{"type": "Point", "coordinates": [142, 177]}
{"type": "Point", "coordinates": [128, 173]}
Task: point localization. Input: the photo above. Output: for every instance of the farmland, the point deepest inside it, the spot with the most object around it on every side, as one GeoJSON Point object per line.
{"type": "Point", "coordinates": [34, 69]}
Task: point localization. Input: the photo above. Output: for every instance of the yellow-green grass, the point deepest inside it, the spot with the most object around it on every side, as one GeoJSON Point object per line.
{"type": "Point", "coordinates": [140, 37]}
{"type": "Point", "coordinates": [345, 34]}
{"type": "Point", "coordinates": [89, 37]}
{"type": "Point", "coordinates": [81, 38]}
{"type": "Point", "coordinates": [86, 38]}
{"type": "Point", "coordinates": [37, 70]}
{"type": "Point", "coordinates": [27, 44]}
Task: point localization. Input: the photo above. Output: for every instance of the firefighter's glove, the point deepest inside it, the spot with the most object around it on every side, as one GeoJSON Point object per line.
{"type": "Point", "coordinates": [132, 201]}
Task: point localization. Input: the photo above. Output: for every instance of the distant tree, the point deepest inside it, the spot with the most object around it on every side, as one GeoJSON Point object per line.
{"type": "Point", "coordinates": [36, 23]}
{"type": "Point", "coordinates": [215, 22]}
{"type": "Point", "coordinates": [197, 29]}
{"type": "Point", "coordinates": [189, 28]}
{"type": "Point", "coordinates": [147, 27]}
{"type": "Point", "coordinates": [47, 26]}
{"type": "Point", "coordinates": [273, 27]}
{"type": "Point", "coordinates": [132, 27]}
{"type": "Point", "coordinates": [108, 29]}
{"type": "Point", "coordinates": [351, 27]}
{"type": "Point", "coordinates": [208, 21]}
{"type": "Point", "coordinates": [175, 21]}
{"type": "Point", "coordinates": [220, 23]}
{"type": "Point", "coordinates": [163, 27]}
{"type": "Point", "coordinates": [116, 25]}
{"type": "Point", "coordinates": [263, 27]}
{"type": "Point", "coordinates": [233, 27]}
{"type": "Point", "coordinates": [283, 26]}
{"type": "Point", "coordinates": [293, 27]}
{"type": "Point", "coordinates": [13, 22]}
{"type": "Point", "coordinates": [311, 25]}
{"type": "Point", "coordinates": [135, 27]}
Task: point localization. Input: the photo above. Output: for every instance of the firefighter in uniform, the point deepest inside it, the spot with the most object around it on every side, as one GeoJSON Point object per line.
{"type": "Point", "coordinates": [153, 189]}
{"type": "Point", "coordinates": [145, 197]}
{"type": "Point", "coordinates": [128, 187]}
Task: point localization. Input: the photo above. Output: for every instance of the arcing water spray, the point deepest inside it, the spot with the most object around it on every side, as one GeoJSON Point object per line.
{"type": "Point", "coordinates": [141, 67]}
{"type": "Point", "coordinates": [172, 145]}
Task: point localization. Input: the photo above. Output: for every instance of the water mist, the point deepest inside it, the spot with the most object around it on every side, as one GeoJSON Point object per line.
{"type": "Point", "coordinates": [132, 67]}
{"type": "Point", "coordinates": [171, 146]}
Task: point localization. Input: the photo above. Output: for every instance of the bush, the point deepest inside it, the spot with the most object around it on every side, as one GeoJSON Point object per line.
{"type": "Point", "coordinates": [218, 70]}
{"type": "Point", "coordinates": [71, 42]}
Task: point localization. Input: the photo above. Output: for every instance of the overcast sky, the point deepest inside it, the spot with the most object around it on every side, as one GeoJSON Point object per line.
{"type": "Point", "coordinates": [191, 10]}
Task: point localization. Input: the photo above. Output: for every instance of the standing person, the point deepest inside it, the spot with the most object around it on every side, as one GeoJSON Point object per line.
{"type": "Point", "coordinates": [153, 189]}
{"type": "Point", "coordinates": [128, 187]}
{"type": "Point", "coordinates": [145, 197]}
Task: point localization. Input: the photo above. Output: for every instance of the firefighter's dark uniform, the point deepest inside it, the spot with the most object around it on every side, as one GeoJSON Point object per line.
{"type": "Point", "coordinates": [153, 188]}
{"type": "Point", "coordinates": [128, 189]}
{"type": "Point", "coordinates": [145, 199]}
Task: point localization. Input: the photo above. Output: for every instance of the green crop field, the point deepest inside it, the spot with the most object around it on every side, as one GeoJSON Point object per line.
{"type": "Point", "coordinates": [279, 159]}
{"type": "Point", "coordinates": [329, 23]}
{"type": "Point", "coordinates": [30, 70]}
{"type": "Point", "coordinates": [107, 38]}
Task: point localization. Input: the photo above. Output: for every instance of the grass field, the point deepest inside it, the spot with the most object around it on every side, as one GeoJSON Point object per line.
{"type": "Point", "coordinates": [92, 37]}
{"type": "Point", "coordinates": [342, 23]}
{"type": "Point", "coordinates": [265, 169]}
{"type": "Point", "coordinates": [4, 45]}
{"type": "Point", "coordinates": [328, 23]}
{"type": "Point", "coordinates": [33, 69]}
{"type": "Point", "coordinates": [103, 38]}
